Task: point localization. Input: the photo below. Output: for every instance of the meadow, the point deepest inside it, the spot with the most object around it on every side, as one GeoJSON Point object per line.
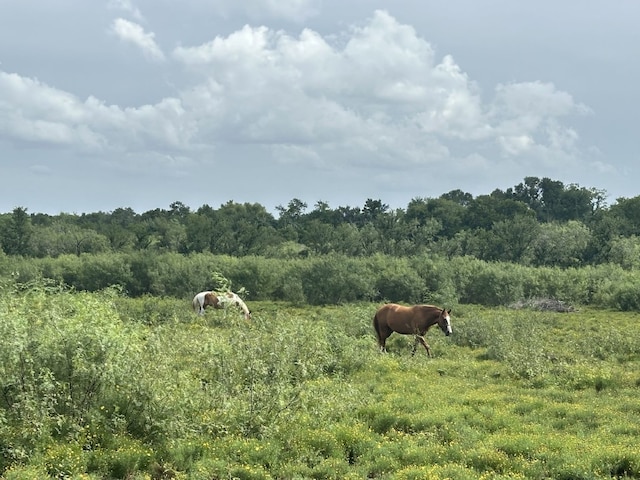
{"type": "Point", "coordinates": [100, 386]}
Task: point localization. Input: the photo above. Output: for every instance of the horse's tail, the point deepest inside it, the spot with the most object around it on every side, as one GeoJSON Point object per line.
{"type": "Point", "coordinates": [376, 327]}
{"type": "Point", "coordinates": [198, 303]}
{"type": "Point", "coordinates": [195, 304]}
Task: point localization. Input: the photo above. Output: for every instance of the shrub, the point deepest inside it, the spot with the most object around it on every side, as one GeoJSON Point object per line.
{"type": "Point", "coordinates": [335, 279]}
{"type": "Point", "coordinates": [396, 280]}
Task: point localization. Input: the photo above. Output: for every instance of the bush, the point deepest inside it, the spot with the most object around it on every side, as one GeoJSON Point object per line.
{"type": "Point", "coordinates": [396, 280]}
{"type": "Point", "coordinates": [59, 353]}
{"type": "Point", "coordinates": [335, 279]}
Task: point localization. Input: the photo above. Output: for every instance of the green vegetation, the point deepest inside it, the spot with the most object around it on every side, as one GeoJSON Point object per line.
{"type": "Point", "coordinates": [335, 279]}
{"type": "Point", "coordinates": [106, 373]}
{"type": "Point", "coordinates": [539, 222]}
{"type": "Point", "coordinates": [99, 385]}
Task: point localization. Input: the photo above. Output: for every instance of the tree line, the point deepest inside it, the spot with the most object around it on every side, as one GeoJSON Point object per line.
{"type": "Point", "coordinates": [539, 222]}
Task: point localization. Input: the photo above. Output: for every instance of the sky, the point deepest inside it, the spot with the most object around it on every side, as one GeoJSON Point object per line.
{"type": "Point", "coordinates": [142, 103]}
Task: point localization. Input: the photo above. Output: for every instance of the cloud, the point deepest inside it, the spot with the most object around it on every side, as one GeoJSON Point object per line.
{"type": "Point", "coordinates": [383, 83]}
{"type": "Point", "coordinates": [133, 33]}
{"type": "Point", "coordinates": [37, 114]}
{"type": "Point", "coordinates": [527, 117]}
{"type": "Point", "coordinates": [378, 98]}
{"type": "Point", "coordinates": [33, 113]}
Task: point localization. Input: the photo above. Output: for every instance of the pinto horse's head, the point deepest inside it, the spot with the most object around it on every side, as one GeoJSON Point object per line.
{"type": "Point", "coordinates": [444, 322]}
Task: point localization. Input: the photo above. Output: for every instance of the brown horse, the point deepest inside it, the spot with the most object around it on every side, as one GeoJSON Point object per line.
{"type": "Point", "coordinates": [414, 320]}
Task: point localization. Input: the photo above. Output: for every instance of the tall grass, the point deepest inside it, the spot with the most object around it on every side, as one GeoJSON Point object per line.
{"type": "Point", "coordinates": [103, 386]}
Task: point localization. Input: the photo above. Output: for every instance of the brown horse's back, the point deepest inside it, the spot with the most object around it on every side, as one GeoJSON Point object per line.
{"type": "Point", "coordinates": [397, 318]}
{"type": "Point", "coordinates": [390, 318]}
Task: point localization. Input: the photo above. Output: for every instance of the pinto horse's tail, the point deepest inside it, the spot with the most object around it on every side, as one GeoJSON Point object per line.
{"type": "Point", "coordinates": [194, 304]}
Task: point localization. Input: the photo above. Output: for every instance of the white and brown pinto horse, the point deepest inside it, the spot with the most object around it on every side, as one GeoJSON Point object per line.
{"type": "Point", "coordinates": [414, 320]}
{"type": "Point", "coordinates": [219, 300]}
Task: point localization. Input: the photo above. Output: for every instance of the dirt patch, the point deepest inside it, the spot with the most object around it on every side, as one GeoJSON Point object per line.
{"type": "Point", "coordinates": [543, 304]}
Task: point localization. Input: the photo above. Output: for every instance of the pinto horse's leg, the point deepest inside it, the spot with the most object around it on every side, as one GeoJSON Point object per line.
{"type": "Point", "coordinates": [423, 341]}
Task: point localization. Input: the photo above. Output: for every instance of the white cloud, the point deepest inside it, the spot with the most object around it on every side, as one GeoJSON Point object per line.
{"type": "Point", "coordinates": [515, 144]}
{"type": "Point", "coordinates": [133, 33]}
{"type": "Point", "coordinates": [383, 83]}
{"type": "Point", "coordinates": [381, 98]}
{"type": "Point", "coordinates": [32, 112]}
{"type": "Point", "coordinates": [35, 113]}
{"type": "Point", "coordinates": [536, 98]}
{"type": "Point", "coordinates": [527, 118]}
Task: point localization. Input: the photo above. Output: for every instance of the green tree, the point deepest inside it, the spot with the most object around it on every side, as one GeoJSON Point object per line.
{"type": "Point", "coordinates": [318, 236]}
{"type": "Point", "coordinates": [561, 244]}
{"type": "Point", "coordinates": [512, 239]}
{"type": "Point", "coordinates": [373, 210]}
{"type": "Point", "coordinates": [323, 213]}
{"type": "Point", "coordinates": [485, 210]}
{"type": "Point", "coordinates": [242, 229]}
{"type": "Point", "coordinates": [64, 237]}
{"type": "Point", "coordinates": [291, 218]}
{"type": "Point", "coordinates": [199, 231]}
{"type": "Point", "coordinates": [16, 234]}
{"type": "Point", "coordinates": [449, 213]}
{"type": "Point", "coordinates": [605, 228]}
{"type": "Point", "coordinates": [627, 212]}
{"type": "Point", "coordinates": [179, 211]}
{"type": "Point", "coordinates": [347, 240]}
{"type": "Point", "coordinates": [458, 196]}
{"type": "Point", "coordinates": [171, 234]}
{"type": "Point", "coordinates": [625, 251]}
{"type": "Point", "coordinates": [553, 201]}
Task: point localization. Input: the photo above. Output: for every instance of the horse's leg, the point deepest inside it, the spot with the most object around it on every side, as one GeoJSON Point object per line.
{"type": "Point", "coordinates": [382, 341]}
{"type": "Point", "coordinates": [423, 341]}
{"type": "Point", "coordinates": [201, 306]}
{"type": "Point", "coordinates": [385, 333]}
{"type": "Point", "coordinates": [382, 333]}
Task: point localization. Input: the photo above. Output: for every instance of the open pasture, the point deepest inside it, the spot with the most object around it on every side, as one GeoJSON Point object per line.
{"type": "Point", "coordinates": [97, 385]}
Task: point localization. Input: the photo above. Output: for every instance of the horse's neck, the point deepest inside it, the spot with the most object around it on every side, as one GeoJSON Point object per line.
{"type": "Point", "coordinates": [230, 298]}
{"type": "Point", "coordinates": [433, 319]}
{"type": "Point", "coordinates": [242, 305]}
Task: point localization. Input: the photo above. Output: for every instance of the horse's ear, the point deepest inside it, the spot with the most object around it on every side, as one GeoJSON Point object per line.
{"type": "Point", "coordinates": [449, 311]}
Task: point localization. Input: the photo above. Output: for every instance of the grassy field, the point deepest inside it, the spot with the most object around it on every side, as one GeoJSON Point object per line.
{"type": "Point", "coordinates": [100, 386]}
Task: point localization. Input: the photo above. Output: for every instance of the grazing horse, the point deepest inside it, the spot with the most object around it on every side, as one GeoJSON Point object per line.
{"type": "Point", "coordinates": [219, 300]}
{"type": "Point", "coordinates": [414, 320]}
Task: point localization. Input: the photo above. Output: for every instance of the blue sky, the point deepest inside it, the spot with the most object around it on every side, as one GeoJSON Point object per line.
{"type": "Point", "coordinates": [142, 103]}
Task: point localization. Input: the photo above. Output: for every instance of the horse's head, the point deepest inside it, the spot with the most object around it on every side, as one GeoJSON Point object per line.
{"type": "Point", "coordinates": [444, 322]}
